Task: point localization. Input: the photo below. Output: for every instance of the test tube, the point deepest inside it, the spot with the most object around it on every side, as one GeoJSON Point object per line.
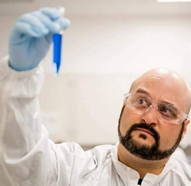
{"type": "Point", "coordinates": [57, 47]}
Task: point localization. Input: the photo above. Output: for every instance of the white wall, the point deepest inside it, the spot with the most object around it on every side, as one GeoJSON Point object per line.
{"type": "Point", "coordinates": [125, 44]}
{"type": "Point", "coordinates": [101, 57]}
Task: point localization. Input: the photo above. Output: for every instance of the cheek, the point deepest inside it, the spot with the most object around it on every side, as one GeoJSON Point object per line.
{"type": "Point", "coordinates": [128, 118]}
{"type": "Point", "coordinates": [168, 136]}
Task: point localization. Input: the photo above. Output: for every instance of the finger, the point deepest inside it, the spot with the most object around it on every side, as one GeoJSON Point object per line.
{"type": "Point", "coordinates": [52, 13]}
{"type": "Point", "coordinates": [23, 28]}
{"type": "Point", "coordinates": [35, 23]}
{"type": "Point", "coordinates": [47, 22]}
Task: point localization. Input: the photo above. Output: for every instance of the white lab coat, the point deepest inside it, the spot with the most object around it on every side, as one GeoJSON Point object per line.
{"type": "Point", "coordinates": [29, 158]}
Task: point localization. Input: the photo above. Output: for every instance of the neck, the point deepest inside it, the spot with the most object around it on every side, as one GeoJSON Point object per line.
{"type": "Point", "coordinates": [140, 165]}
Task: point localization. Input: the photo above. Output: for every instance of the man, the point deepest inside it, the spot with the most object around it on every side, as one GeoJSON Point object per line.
{"type": "Point", "coordinates": [153, 121]}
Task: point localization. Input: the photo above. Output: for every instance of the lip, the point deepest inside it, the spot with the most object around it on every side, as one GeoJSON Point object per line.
{"type": "Point", "coordinates": [145, 131]}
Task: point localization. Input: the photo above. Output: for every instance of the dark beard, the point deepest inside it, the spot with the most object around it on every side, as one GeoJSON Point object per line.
{"type": "Point", "coordinates": [144, 151]}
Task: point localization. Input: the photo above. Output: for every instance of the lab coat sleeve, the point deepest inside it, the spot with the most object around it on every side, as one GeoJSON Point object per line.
{"type": "Point", "coordinates": [27, 156]}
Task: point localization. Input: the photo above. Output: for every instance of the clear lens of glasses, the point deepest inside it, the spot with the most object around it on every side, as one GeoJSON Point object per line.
{"type": "Point", "coordinates": [166, 112]}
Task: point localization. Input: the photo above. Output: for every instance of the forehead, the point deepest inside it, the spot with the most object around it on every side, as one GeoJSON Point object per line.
{"type": "Point", "coordinates": [161, 90]}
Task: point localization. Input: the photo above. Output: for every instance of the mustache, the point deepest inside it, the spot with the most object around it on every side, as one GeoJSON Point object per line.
{"type": "Point", "coordinates": [144, 126]}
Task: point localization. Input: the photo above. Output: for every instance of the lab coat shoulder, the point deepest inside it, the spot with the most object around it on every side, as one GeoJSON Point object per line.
{"type": "Point", "coordinates": [182, 170]}
{"type": "Point", "coordinates": [84, 166]}
{"type": "Point", "coordinates": [178, 173]}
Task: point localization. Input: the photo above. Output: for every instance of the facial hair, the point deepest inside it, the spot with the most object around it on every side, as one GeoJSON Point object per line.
{"type": "Point", "coordinates": [145, 151]}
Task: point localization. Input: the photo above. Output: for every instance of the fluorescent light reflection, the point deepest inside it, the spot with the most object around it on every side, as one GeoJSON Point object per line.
{"type": "Point", "coordinates": [173, 1]}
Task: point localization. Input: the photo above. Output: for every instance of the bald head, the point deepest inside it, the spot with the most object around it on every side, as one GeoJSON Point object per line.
{"type": "Point", "coordinates": [166, 84]}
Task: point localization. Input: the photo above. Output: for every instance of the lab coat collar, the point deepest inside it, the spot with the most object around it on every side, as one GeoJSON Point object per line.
{"type": "Point", "coordinates": [131, 177]}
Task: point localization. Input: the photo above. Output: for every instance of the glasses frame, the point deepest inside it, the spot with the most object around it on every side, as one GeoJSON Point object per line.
{"type": "Point", "coordinates": [183, 114]}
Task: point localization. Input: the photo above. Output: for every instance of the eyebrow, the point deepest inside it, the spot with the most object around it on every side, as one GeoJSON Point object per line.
{"type": "Point", "coordinates": [142, 91]}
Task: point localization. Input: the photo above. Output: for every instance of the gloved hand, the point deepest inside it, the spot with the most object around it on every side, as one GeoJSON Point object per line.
{"type": "Point", "coordinates": [31, 37]}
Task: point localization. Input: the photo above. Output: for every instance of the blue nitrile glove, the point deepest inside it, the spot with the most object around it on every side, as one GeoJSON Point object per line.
{"type": "Point", "coordinates": [31, 37]}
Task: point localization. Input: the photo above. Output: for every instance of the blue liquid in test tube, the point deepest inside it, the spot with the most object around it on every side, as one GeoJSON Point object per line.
{"type": "Point", "coordinates": [57, 51]}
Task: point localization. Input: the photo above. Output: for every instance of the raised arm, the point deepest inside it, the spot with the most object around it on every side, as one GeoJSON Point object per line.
{"type": "Point", "coordinates": [27, 156]}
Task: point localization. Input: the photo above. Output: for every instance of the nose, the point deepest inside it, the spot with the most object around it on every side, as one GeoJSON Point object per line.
{"type": "Point", "coordinates": [150, 116]}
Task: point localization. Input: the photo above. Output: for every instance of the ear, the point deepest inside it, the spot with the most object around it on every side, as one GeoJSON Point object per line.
{"type": "Point", "coordinates": [185, 128]}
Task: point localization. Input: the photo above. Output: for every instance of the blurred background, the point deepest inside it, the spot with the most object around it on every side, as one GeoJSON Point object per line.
{"type": "Point", "coordinates": [108, 45]}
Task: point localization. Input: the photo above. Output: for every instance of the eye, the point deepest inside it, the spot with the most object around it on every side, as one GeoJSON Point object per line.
{"type": "Point", "coordinates": [141, 101]}
{"type": "Point", "coordinates": [167, 111]}
{"type": "Point", "coordinates": [164, 109]}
